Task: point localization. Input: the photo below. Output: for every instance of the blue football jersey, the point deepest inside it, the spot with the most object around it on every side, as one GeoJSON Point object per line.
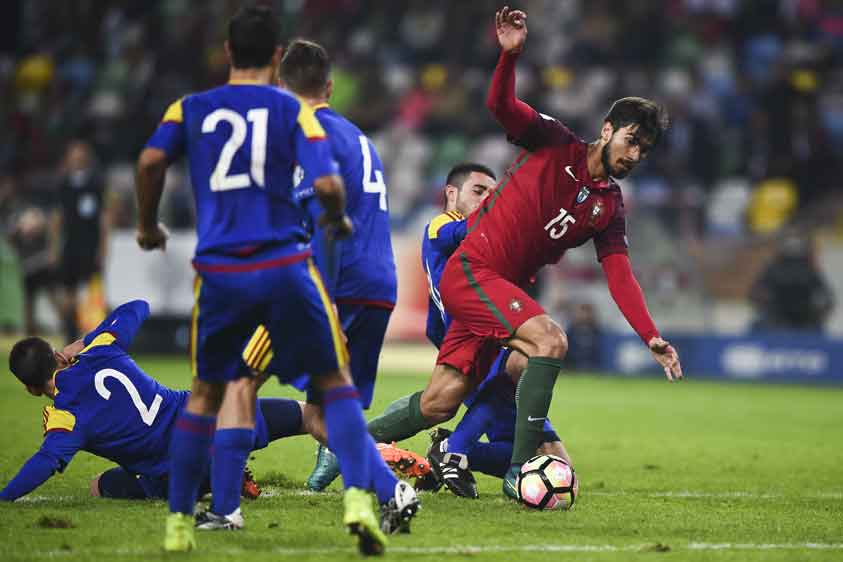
{"type": "Point", "coordinates": [106, 405]}
{"type": "Point", "coordinates": [441, 237]}
{"type": "Point", "coordinates": [359, 269]}
{"type": "Point", "coordinates": [243, 141]}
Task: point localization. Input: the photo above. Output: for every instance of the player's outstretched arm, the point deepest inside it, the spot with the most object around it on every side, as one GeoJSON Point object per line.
{"type": "Point", "coordinates": [666, 356]}
{"type": "Point", "coordinates": [629, 297]}
{"type": "Point", "coordinates": [149, 185]}
{"type": "Point", "coordinates": [513, 114]}
{"type": "Point", "coordinates": [511, 28]}
{"type": "Point", "coordinates": [35, 472]}
{"type": "Point", "coordinates": [123, 323]}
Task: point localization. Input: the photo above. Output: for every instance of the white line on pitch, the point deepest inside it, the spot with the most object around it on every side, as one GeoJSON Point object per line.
{"type": "Point", "coordinates": [765, 546]}
{"type": "Point", "coordinates": [462, 549]}
{"type": "Point", "coordinates": [691, 494]}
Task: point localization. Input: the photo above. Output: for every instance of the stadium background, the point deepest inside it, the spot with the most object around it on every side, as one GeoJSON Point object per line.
{"type": "Point", "coordinates": [747, 182]}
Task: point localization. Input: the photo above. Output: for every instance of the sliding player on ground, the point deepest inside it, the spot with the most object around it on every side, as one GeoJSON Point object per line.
{"type": "Point", "coordinates": [105, 404]}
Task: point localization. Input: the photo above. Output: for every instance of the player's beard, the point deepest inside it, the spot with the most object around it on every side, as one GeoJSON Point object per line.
{"type": "Point", "coordinates": [610, 171]}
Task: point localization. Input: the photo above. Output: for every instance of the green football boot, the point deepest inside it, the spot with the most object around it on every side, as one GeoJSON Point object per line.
{"type": "Point", "coordinates": [509, 482]}
{"type": "Point", "coordinates": [361, 521]}
{"type": "Point", "coordinates": [326, 470]}
{"type": "Point", "coordinates": [179, 535]}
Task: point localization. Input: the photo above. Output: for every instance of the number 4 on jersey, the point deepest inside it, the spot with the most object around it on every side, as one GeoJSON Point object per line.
{"type": "Point", "coordinates": [376, 186]}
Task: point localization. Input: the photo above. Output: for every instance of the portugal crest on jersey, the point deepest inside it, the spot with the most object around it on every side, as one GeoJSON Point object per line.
{"type": "Point", "coordinates": [596, 212]}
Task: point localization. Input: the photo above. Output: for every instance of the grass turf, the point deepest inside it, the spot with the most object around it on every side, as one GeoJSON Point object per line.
{"type": "Point", "coordinates": [691, 471]}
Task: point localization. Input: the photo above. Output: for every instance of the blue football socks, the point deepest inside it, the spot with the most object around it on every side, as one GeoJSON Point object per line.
{"type": "Point", "coordinates": [490, 458]}
{"type": "Point", "coordinates": [231, 451]}
{"type": "Point", "coordinates": [348, 437]}
{"type": "Point", "coordinates": [476, 421]}
{"type": "Point", "coordinates": [190, 450]}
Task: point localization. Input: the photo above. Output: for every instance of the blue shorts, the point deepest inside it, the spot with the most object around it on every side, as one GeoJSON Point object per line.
{"type": "Point", "coordinates": [289, 300]}
{"type": "Point", "coordinates": [365, 328]}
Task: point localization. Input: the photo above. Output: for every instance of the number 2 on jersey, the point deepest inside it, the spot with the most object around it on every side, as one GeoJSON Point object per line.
{"type": "Point", "coordinates": [146, 414]}
{"type": "Point", "coordinates": [376, 186]}
{"type": "Point", "coordinates": [220, 180]}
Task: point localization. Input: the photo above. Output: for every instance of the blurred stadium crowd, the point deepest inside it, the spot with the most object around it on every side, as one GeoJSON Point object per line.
{"type": "Point", "coordinates": [754, 89]}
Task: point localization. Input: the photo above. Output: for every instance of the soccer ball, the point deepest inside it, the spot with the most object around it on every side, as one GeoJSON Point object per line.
{"type": "Point", "coordinates": [547, 482]}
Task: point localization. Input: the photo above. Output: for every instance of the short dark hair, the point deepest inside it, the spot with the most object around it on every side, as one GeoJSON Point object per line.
{"type": "Point", "coordinates": [651, 117]}
{"type": "Point", "coordinates": [252, 37]}
{"type": "Point", "coordinates": [460, 173]}
{"type": "Point", "coordinates": [305, 67]}
{"type": "Point", "coordinates": [32, 361]}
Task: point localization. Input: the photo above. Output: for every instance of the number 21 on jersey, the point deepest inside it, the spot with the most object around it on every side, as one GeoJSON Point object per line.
{"type": "Point", "coordinates": [258, 117]}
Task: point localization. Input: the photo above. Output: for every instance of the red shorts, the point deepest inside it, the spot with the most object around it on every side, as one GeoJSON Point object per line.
{"type": "Point", "coordinates": [486, 310]}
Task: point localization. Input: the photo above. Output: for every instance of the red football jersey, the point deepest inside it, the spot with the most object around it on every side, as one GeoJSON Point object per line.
{"type": "Point", "coordinates": [545, 204]}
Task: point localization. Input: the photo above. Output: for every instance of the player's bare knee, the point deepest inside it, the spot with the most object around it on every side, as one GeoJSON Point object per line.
{"type": "Point", "coordinates": [313, 422]}
{"type": "Point", "coordinates": [436, 413]}
{"type": "Point", "coordinates": [205, 398]}
{"type": "Point", "coordinates": [333, 379]}
{"type": "Point", "coordinates": [515, 365]}
{"type": "Point", "coordinates": [553, 343]}
{"type": "Point", "coordinates": [438, 407]}
{"type": "Point", "coordinates": [446, 390]}
{"type": "Point", "coordinates": [241, 385]}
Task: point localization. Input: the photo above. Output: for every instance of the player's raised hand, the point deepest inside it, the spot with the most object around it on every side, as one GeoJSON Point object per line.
{"type": "Point", "coordinates": [666, 356]}
{"type": "Point", "coordinates": [336, 228]}
{"type": "Point", "coordinates": [151, 238]}
{"type": "Point", "coordinates": [511, 26]}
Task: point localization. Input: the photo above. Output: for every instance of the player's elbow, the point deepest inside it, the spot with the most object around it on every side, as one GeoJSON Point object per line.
{"type": "Point", "coordinates": [151, 161]}
{"type": "Point", "coordinates": [140, 306]}
{"type": "Point", "coordinates": [494, 104]}
{"type": "Point", "coordinates": [491, 102]}
{"type": "Point", "coordinates": [329, 187]}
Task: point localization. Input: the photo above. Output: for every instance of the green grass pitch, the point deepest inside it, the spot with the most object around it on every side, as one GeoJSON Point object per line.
{"type": "Point", "coordinates": [691, 471]}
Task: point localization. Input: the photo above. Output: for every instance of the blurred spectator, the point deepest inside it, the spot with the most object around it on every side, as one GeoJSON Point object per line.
{"type": "Point", "coordinates": [584, 339]}
{"type": "Point", "coordinates": [83, 225]}
{"type": "Point", "coordinates": [791, 292]}
{"type": "Point", "coordinates": [30, 236]}
{"type": "Point", "coordinates": [754, 89]}
{"type": "Point", "coordinates": [750, 85]}
{"type": "Point", "coordinates": [772, 205]}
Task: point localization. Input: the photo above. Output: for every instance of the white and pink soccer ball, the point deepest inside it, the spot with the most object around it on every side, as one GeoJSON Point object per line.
{"type": "Point", "coordinates": [547, 482]}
